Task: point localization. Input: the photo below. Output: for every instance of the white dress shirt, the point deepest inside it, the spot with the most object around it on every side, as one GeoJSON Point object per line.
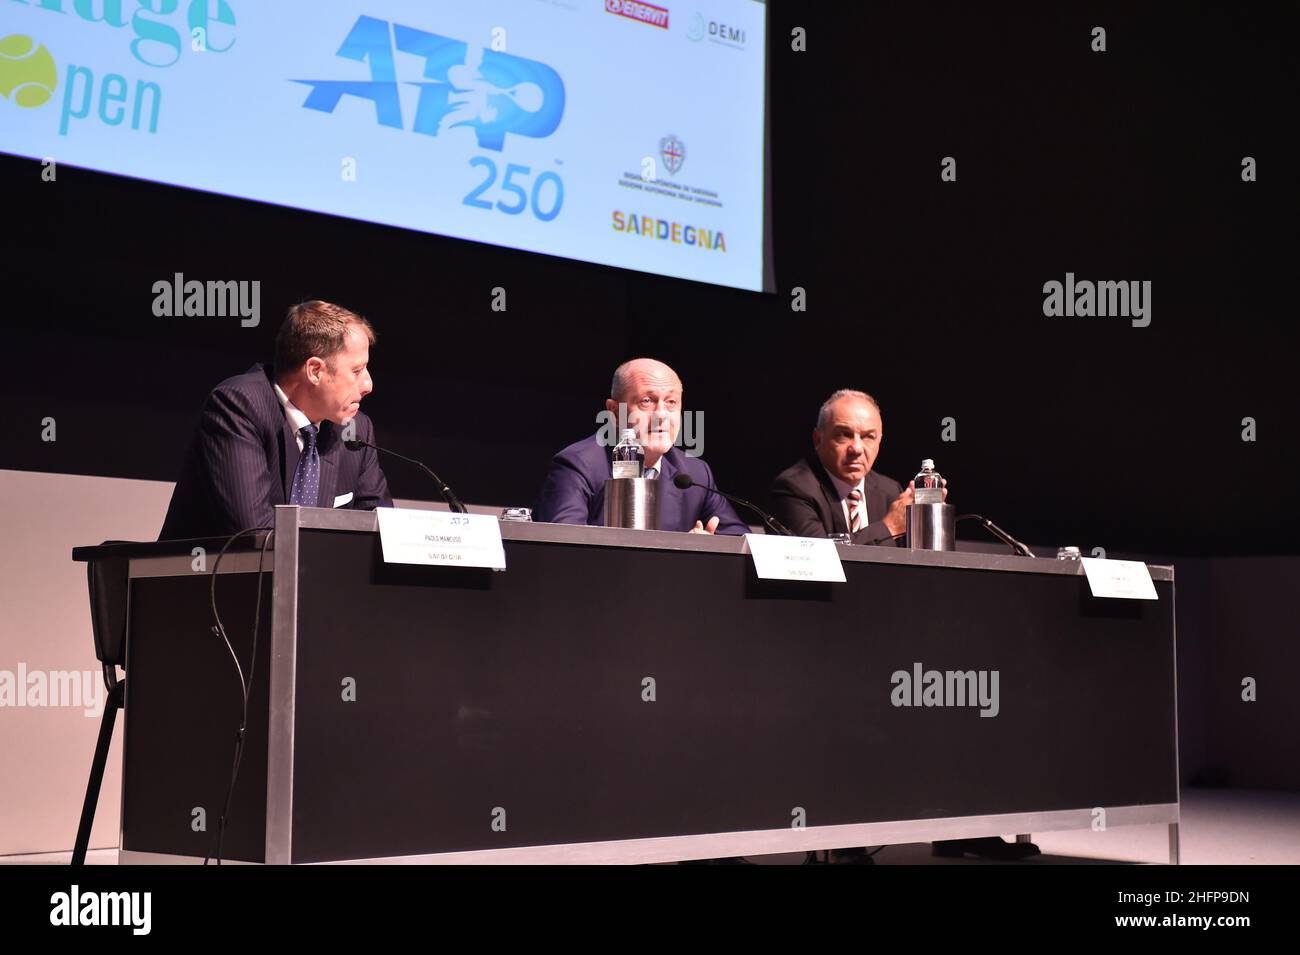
{"type": "Point", "coordinates": [297, 420]}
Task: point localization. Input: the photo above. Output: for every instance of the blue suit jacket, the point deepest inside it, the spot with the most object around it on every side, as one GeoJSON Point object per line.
{"type": "Point", "coordinates": [243, 457]}
{"type": "Point", "coordinates": [574, 491]}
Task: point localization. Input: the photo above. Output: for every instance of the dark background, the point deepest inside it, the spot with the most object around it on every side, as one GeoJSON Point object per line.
{"type": "Point", "coordinates": [1123, 165]}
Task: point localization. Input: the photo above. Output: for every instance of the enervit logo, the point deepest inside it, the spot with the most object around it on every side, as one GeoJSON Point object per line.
{"type": "Point", "coordinates": [28, 74]}
{"type": "Point", "coordinates": [490, 92]}
{"type": "Point", "coordinates": [641, 12]}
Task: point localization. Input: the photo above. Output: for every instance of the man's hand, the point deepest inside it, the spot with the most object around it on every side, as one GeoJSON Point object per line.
{"type": "Point", "coordinates": [896, 517]}
{"type": "Point", "coordinates": [701, 529]}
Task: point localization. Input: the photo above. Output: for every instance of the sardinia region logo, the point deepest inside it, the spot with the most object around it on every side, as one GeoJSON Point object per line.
{"type": "Point", "coordinates": [673, 151]}
{"type": "Point", "coordinates": [28, 74]}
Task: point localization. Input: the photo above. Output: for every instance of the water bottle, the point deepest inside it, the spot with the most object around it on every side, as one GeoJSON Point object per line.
{"type": "Point", "coordinates": [928, 484]}
{"type": "Point", "coordinates": [629, 456]}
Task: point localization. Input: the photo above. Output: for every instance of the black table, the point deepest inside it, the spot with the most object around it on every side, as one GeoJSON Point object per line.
{"type": "Point", "coordinates": [629, 696]}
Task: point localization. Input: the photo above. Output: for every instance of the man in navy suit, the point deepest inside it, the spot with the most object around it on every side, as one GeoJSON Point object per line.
{"type": "Point", "coordinates": [270, 437]}
{"type": "Point", "coordinates": [647, 394]}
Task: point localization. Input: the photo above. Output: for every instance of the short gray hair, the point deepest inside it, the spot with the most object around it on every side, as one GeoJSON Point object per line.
{"type": "Point", "coordinates": [824, 414]}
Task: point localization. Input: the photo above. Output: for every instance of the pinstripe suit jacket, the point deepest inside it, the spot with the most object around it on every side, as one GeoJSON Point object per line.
{"type": "Point", "coordinates": [243, 457]}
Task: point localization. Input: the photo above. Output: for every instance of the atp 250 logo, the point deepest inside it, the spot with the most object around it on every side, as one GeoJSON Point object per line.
{"type": "Point", "coordinates": [493, 93]}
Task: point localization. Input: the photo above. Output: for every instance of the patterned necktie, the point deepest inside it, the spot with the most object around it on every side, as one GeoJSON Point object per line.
{"type": "Point", "coordinates": [855, 511]}
{"type": "Point", "coordinates": [652, 473]}
{"type": "Point", "coordinates": [306, 478]}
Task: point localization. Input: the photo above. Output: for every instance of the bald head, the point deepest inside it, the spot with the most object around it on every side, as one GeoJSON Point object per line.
{"type": "Point", "coordinates": [638, 373]}
{"type": "Point", "coordinates": [651, 392]}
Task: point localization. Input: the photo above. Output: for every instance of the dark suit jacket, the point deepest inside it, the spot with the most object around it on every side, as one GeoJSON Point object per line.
{"type": "Point", "coordinates": [243, 456]}
{"type": "Point", "coordinates": [574, 491]}
{"type": "Point", "coordinates": [805, 500]}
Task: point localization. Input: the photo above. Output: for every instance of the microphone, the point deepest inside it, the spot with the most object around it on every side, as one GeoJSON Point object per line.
{"type": "Point", "coordinates": [999, 533]}
{"type": "Point", "coordinates": [447, 493]}
{"type": "Point", "coordinates": [685, 481]}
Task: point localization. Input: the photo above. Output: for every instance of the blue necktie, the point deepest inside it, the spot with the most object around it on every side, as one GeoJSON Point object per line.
{"type": "Point", "coordinates": [306, 478]}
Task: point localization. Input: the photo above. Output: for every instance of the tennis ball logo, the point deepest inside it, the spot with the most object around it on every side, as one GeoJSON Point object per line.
{"type": "Point", "coordinates": [28, 75]}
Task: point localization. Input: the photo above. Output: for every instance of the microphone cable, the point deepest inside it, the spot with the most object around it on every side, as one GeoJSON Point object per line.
{"type": "Point", "coordinates": [219, 629]}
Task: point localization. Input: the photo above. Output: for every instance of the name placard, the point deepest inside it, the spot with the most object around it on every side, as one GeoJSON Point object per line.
{"type": "Point", "coordinates": [414, 536]}
{"type": "Point", "coordinates": [1126, 579]}
{"type": "Point", "coordinates": [795, 558]}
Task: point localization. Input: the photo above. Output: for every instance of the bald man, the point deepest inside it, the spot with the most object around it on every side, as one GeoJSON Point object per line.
{"type": "Point", "coordinates": [650, 394]}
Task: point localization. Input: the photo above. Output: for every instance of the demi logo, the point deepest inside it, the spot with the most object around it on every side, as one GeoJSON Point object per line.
{"type": "Point", "coordinates": [28, 74]}
{"type": "Point", "coordinates": [716, 32]}
{"type": "Point", "coordinates": [490, 92]}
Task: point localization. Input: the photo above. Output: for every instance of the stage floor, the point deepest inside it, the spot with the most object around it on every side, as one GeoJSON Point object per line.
{"type": "Point", "coordinates": [1219, 827]}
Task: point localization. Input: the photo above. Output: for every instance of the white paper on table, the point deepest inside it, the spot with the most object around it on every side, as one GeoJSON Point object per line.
{"type": "Point", "coordinates": [1126, 579]}
{"type": "Point", "coordinates": [441, 538]}
{"type": "Point", "coordinates": [795, 558]}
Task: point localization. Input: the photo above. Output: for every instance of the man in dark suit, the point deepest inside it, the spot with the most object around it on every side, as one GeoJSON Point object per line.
{"type": "Point", "coordinates": [834, 490]}
{"type": "Point", "coordinates": [647, 395]}
{"type": "Point", "coordinates": [276, 437]}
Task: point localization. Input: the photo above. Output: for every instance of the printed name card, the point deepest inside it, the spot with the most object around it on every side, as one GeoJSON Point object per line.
{"type": "Point", "coordinates": [413, 536]}
{"type": "Point", "coordinates": [1127, 579]}
{"type": "Point", "coordinates": [795, 558]}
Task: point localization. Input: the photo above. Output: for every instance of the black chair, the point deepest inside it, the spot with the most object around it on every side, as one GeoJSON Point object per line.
{"type": "Point", "coordinates": [107, 577]}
